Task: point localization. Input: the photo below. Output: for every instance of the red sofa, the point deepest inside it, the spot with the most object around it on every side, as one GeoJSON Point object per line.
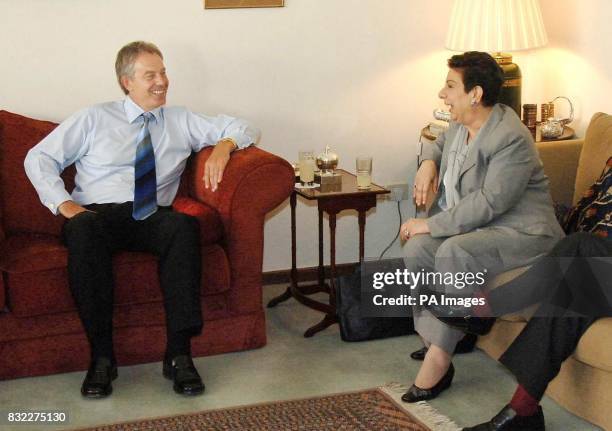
{"type": "Point", "coordinates": [40, 332]}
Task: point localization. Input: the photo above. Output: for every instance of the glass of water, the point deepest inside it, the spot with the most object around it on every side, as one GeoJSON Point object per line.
{"type": "Point", "coordinates": [307, 167]}
{"type": "Point", "coordinates": [364, 172]}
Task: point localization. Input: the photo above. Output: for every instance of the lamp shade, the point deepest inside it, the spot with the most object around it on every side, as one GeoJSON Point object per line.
{"type": "Point", "coordinates": [496, 25]}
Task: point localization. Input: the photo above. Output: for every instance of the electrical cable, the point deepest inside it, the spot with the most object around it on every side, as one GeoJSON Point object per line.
{"type": "Point", "coordinates": [399, 210]}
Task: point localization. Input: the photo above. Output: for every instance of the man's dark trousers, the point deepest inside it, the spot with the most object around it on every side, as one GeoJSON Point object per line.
{"type": "Point", "coordinates": [93, 236]}
{"type": "Point", "coordinates": [572, 299]}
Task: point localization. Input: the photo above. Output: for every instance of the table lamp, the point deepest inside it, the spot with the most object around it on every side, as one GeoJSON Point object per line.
{"type": "Point", "coordinates": [497, 26]}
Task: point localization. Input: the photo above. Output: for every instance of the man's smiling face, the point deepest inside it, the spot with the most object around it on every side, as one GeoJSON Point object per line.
{"type": "Point", "coordinates": [149, 84]}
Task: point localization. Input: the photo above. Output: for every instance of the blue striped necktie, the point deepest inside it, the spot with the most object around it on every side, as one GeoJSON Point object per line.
{"type": "Point", "coordinates": [145, 181]}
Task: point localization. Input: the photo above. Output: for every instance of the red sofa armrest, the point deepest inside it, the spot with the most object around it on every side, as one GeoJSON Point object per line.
{"type": "Point", "coordinates": [254, 182]}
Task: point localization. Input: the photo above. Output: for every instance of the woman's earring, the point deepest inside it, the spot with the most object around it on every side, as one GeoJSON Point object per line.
{"type": "Point", "coordinates": [473, 102]}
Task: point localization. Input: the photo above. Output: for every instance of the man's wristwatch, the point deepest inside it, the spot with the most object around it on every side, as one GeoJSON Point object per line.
{"type": "Point", "coordinates": [230, 140]}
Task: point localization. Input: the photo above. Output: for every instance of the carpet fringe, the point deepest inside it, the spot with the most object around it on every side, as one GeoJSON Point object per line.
{"type": "Point", "coordinates": [422, 410]}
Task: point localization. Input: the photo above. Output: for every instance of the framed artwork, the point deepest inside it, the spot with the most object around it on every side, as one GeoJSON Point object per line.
{"type": "Point", "coordinates": [225, 4]}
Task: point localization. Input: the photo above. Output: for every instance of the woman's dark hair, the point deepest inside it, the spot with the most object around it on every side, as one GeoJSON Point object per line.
{"type": "Point", "coordinates": [479, 68]}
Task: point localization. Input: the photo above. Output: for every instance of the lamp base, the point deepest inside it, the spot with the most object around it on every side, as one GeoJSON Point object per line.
{"type": "Point", "coordinates": [511, 90]}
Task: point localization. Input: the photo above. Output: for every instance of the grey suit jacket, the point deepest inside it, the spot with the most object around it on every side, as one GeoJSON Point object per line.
{"type": "Point", "coordinates": [501, 183]}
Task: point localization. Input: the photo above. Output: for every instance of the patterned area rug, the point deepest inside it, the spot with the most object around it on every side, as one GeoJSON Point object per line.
{"type": "Point", "coordinates": [368, 410]}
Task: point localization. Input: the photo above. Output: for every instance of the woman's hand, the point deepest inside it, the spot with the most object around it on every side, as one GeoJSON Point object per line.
{"type": "Point", "coordinates": [426, 176]}
{"type": "Point", "coordinates": [413, 226]}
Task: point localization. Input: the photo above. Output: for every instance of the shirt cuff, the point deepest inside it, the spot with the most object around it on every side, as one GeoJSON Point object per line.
{"type": "Point", "coordinates": [244, 138]}
{"type": "Point", "coordinates": [54, 202]}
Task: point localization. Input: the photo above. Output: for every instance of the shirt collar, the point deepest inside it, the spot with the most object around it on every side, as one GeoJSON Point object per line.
{"type": "Point", "coordinates": [133, 111]}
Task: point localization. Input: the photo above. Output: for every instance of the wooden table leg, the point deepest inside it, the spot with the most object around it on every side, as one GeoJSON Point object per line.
{"type": "Point", "coordinates": [327, 321]}
{"type": "Point", "coordinates": [362, 222]}
{"type": "Point", "coordinates": [321, 269]}
{"type": "Point", "coordinates": [332, 260]}
{"type": "Point", "coordinates": [330, 317]}
{"type": "Point", "coordinates": [287, 293]}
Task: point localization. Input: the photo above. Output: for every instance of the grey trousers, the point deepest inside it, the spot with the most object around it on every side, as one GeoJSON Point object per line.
{"type": "Point", "coordinates": [496, 249]}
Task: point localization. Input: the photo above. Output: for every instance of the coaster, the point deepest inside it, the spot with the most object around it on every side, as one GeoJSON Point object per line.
{"type": "Point", "coordinates": [303, 187]}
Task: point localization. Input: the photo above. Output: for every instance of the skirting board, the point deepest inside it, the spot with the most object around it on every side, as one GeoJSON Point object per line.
{"type": "Point", "coordinates": [306, 274]}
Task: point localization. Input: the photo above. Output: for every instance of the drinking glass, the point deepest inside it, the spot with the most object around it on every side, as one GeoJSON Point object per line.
{"type": "Point", "coordinates": [307, 167]}
{"type": "Point", "coordinates": [364, 172]}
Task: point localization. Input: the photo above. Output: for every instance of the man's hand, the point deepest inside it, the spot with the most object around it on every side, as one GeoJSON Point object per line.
{"type": "Point", "coordinates": [413, 226]}
{"type": "Point", "coordinates": [426, 176]}
{"type": "Point", "coordinates": [69, 209]}
{"type": "Point", "coordinates": [215, 165]}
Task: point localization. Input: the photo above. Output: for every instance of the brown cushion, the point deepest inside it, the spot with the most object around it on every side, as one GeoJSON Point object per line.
{"type": "Point", "coordinates": [595, 151]}
{"type": "Point", "coordinates": [560, 159]}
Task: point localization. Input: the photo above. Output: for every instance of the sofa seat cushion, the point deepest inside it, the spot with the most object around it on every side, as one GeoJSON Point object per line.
{"type": "Point", "coordinates": [37, 276]}
{"type": "Point", "coordinates": [594, 347]}
{"type": "Point", "coordinates": [592, 350]}
{"type": "Point", "coordinates": [30, 252]}
{"type": "Point", "coordinates": [17, 329]}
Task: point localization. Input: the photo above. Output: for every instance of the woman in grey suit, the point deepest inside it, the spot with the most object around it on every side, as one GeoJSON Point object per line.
{"type": "Point", "coordinates": [491, 212]}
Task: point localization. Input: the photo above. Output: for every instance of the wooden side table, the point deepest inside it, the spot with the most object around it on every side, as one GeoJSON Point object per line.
{"type": "Point", "coordinates": [331, 202]}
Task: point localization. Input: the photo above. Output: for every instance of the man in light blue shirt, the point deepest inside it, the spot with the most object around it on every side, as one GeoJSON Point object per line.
{"type": "Point", "coordinates": [129, 157]}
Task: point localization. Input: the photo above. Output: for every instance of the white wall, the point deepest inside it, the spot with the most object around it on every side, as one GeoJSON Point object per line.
{"type": "Point", "coordinates": [576, 63]}
{"type": "Point", "coordinates": [360, 75]}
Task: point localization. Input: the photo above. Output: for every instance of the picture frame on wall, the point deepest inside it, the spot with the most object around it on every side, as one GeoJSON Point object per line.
{"type": "Point", "coordinates": [227, 4]}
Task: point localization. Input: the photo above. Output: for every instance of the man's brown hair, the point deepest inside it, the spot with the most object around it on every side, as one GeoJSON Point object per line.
{"type": "Point", "coordinates": [124, 64]}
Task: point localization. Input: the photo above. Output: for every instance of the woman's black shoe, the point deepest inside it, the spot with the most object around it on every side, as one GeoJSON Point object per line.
{"type": "Point", "coordinates": [465, 345]}
{"type": "Point", "coordinates": [415, 393]}
{"type": "Point", "coordinates": [508, 420]}
{"type": "Point", "coordinates": [419, 355]}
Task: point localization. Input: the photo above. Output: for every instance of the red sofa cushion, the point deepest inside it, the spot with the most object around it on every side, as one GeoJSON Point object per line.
{"type": "Point", "coordinates": [26, 252]}
{"type": "Point", "coordinates": [37, 275]}
{"type": "Point", "coordinates": [21, 207]}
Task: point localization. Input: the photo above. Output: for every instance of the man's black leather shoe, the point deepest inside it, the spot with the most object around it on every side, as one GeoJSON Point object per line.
{"type": "Point", "coordinates": [97, 383]}
{"type": "Point", "coordinates": [508, 420]}
{"type": "Point", "coordinates": [186, 379]}
{"type": "Point", "coordinates": [465, 345]}
{"type": "Point", "coordinates": [415, 393]}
